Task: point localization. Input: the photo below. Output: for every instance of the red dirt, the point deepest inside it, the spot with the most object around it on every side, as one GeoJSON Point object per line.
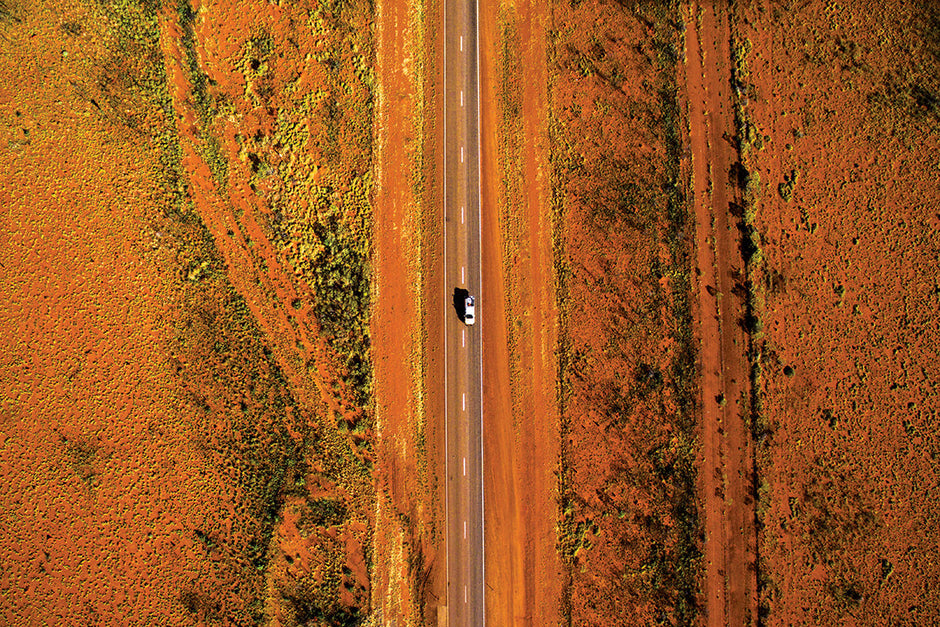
{"type": "Point", "coordinates": [157, 383]}
{"type": "Point", "coordinates": [179, 442]}
{"type": "Point", "coordinates": [410, 565]}
{"type": "Point", "coordinates": [101, 490]}
{"type": "Point", "coordinates": [276, 286]}
{"type": "Point", "coordinates": [730, 585]}
{"type": "Point", "coordinates": [501, 568]}
{"type": "Point", "coordinates": [814, 279]}
{"type": "Point", "coordinates": [238, 210]}
{"type": "Point", "coordinates": [628, 526]}
{"type": "Point", "coordinates": [103, 476]}
{"type": "Point", "coordinates": [523, 571]}
{"type": "Point", "coordinates": [846, 96]}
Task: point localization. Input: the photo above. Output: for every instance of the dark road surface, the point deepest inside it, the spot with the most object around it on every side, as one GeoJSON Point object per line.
{"type": "Point", "coordinates": [462, 344]}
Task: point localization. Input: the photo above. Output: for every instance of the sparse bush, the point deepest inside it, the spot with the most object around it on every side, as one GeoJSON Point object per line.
{"type": "Point", "coordinates": [785, 188]}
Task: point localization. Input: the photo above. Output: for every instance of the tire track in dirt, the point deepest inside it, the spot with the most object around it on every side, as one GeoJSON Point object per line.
{"type": "Point", "coordinates": [523, 566]}
{"type": "Point", "coordinates": [727, 450]}
{"type": "Point", "coordinates": [522, 443]}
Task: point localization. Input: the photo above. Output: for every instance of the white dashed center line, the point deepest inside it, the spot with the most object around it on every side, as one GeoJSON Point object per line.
{"type": "Point", "coordinates": [464, 400]}
{"type": "Point", "coordinates": [462, 268]}
{"type": "Point", "coordinates": [461, 97]}
{"type": "Point", "coordinates": [461, 43]}
{"type": "Point", "coordinates": [463, 338]}
{"type": "Point", "coordinates": [461, 154]}
{"type": "Point", "coordinates": [464, 466]}
{"type": "Point", "coordinates": [461, 215]}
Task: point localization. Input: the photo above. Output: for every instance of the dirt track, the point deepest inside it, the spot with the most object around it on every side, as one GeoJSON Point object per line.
{"type": "Point", "coordinates": [409, 518]}
{"type": "Point", "coordinates": [523, 567]}
{"type": "Point", "coordinates": [727, 453]}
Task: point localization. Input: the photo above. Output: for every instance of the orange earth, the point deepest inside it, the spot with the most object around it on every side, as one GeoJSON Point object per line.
{"type": "Point", "coordinates": [711, 229]}
{"type": "Point", "coordinates": [410, 574]}
{"type": "Point", "coordinates": [747, 397]}
{"type": "Point", "coordinates": [847, 101]}
{"type": "Point", "coordinates": [521, 421]}
{"type": "Point", "coordinates": [186, 422]}
{"type": "Point", "coordinates": [629, 517]}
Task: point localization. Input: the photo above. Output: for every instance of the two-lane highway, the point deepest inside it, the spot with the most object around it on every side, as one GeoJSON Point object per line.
{"type": "Point", "coordinates": [463, 344]}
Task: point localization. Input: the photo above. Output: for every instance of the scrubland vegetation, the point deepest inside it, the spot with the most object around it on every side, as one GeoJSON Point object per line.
{"type": "Point", "coordinates": [276, 105]}
{"type": "Point", "coordinates": [628, 520]}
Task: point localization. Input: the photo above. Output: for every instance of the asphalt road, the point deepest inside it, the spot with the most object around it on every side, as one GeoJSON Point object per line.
{"type": "Point", "coordinates": [463, 344]}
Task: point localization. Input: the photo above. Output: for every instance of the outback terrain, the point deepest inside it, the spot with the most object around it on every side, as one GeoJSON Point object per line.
{"type": "Point", "coordinates": [838, 127]}
{"type": "Point", "coordinates": [743, 215]}
{"type": "Point", "coordinates": [711, 237]}
{"type": "Point", "coordinates": [188, 432]}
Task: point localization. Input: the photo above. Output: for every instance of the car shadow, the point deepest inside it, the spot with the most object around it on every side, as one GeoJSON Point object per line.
{"type": "Point", "coordinates": [460, 298]}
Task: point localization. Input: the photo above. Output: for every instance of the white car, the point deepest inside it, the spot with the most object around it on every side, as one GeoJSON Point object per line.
{"type": "Point", "coordinates": [468, 311]}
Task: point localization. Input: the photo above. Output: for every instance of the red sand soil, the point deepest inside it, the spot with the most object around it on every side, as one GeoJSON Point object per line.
{"type": "Point", "coordinates": [815, 280]}
{"type": "Point", "coordinates": [812, 270]}
{"type": "Point", "coordinates": [628, 526]}
{"type": "Point", "coordinates": [258, 61]}
{"type": "Point", "coordinates": [235, 216]}
{"type": "Point", "coordinates": [409, 561]}
{"type": "Point", "coordinates": [846, 97]}
{"type": "Point", "coordinates": [180, 442]}
{"type": "Point", "coordinates": [105, 463]}
{"type": "Point", "coordinates": [523, 570]}
{"type": "Point", "coordinates": [730, 586]}
{"type": "Point", "coordinates": [260, 68]}
{"type": "Point", "coordinates": [153, 379]}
